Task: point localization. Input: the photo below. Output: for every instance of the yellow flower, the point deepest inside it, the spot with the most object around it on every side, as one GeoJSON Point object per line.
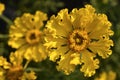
{"type": "Point", "coordinates": [26, 36]}
{"type": "Point", "coordinates": [76, 38]}
{"type": "Point", "coordinates": [14, 69]}
{"type": "Point", "coordinates": [2, 8]}
{"type": "Point", "coordinates": [107, 76]}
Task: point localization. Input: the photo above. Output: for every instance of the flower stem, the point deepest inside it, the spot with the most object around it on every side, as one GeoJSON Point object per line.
{"type": "Point", "coordinates": [26, 64]}
{"type": "Point", "coordinates": [33, 69]}
{"type": "Point", "coordinates": [6, 19]}
{"type": "Point", "coordinates": [2, 36]}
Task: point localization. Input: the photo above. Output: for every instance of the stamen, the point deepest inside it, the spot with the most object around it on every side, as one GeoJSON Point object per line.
{"type": "Point", "coordinates": [33, 36]}
{"type": "Point", "coordinates": [78, 40]}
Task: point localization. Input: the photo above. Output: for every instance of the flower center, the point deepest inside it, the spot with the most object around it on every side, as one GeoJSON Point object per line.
{"type": "Point", "coordinates": [33, 36]}
{"type": "Point", "coordinates": [14, 73]}
{"type": "Point", "coordinates": [78, 40]}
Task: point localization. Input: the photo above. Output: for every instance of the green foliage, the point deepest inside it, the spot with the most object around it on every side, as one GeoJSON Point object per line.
{"type": "Point", "coordinates": [33, 5]}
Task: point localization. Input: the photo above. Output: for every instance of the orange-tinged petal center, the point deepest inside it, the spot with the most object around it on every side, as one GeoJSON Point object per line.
{"type": "Point", "coordinates": [14, 73]}
{"type": "Point", "coordinates": [33, 36]}
{"type": "Point", "coordinates": [78, 40]}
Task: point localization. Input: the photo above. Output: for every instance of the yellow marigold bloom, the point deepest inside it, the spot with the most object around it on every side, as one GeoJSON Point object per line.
{"type": "Point", "coordinates": [14, 69]}
{"type": "Point", "coordinates": [77, 37]}
{"type": "Point", "coordinates": [26, 36]}
{"type": "Point", "coordinates": [107, 76]}
{"type": "Point", "coordinates": [2, 8]}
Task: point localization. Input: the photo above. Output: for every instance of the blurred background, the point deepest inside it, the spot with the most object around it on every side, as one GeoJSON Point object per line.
{"type": "Point", "coordinates": [48, 71]}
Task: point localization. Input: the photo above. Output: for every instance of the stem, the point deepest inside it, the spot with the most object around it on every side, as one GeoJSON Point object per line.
{"type": "Point", "coordinates": [3, 36]}
{"type": "Point", "coordinates": [26, 64]}
{"type": "Point", "coordinates": [33, 69]}
{"type": "Point", "coordinates": [7, 20]}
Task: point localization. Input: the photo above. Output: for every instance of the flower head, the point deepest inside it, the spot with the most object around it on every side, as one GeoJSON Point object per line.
{"type": "Point", "coordinates": [107, 76]}
{"type": "Point", "coordinates": [76, 38]}
{"type": "Point", "coordinates": [14, 69]}
{"type": "Point", "coordinates": [2, 8]}
{"type": "Point", "coordinates": [26, 36]}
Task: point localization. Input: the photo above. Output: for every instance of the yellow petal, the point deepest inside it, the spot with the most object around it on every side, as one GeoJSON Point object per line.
{"type": "Point", "coordinates": [101, 47]}
{"type": "Point", "coordinates": [28, 52]}
{"type": "Point", "coordinates": [106, 76]}
{"type": "Point", "coordinates": [42, 55]}
{"type": "Point", "coordinates": [61, 23]}
{"type": "Point", "coordinates": [76, 59]}
{"type": "Point", "coordinates": [16, 32]}
{"type": "Point", "coordinates": [55, 54]}
{"type": "Point", "coordinates": [29, 76]}
{"type": "Point", "coordinates": [16, 58]}
{"type": "Point", "coordinates": [39, 18]}
{"type": "Point", "coordinates": [64, 64]}
{"type": "Point", "coordinates": [89, 63]}
{"type": "Point", "coordinates": [2, 72]}
{"type": "Point", "coordinates": [17, 42]}
{"type": "Point", "coordinates": [4, 63]}
{"type": "Point", "coordinates": [102, 76]}
{"type": "Point", "coordinates": [82, 17]}
{"type": "Point", "coordinates": [101, 27]}
{"type": "Point", "coordinates": [2, 8]}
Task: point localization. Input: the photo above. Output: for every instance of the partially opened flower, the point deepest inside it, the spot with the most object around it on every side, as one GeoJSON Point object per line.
{"type": "Point", "coordinates": [106, 76]}
{"type": "Point", "coordinates": [14, 69]}
{"type": "Point", "coordinates": [2, 8]}
{"type": "Point", "coordinates": [27, 37]}
{"type": "Point", "coordinates": [76, 38]}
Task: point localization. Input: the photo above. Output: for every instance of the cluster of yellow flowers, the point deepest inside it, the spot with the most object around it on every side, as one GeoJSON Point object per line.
{"type": "Point", "coordinates": [69, 39]}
